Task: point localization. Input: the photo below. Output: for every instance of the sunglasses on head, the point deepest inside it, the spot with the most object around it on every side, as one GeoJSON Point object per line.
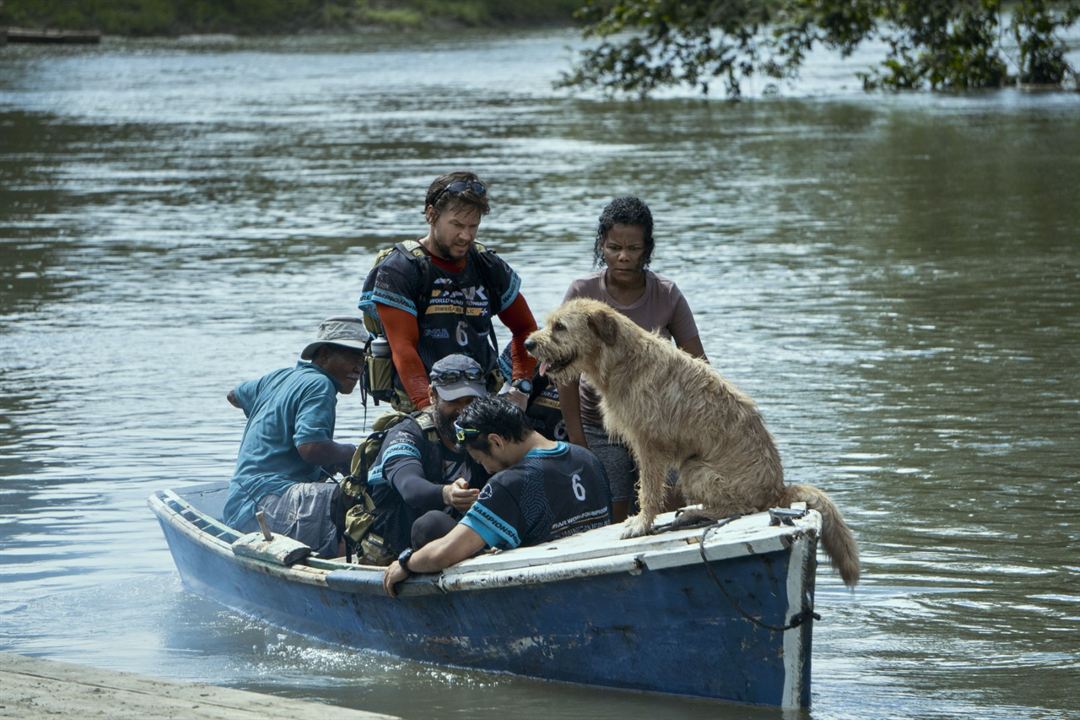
{"type": "Point", "coordinates": [447, 377]}
{"type": "Point", "coordinates": [464, 433]}
{"type": "Point", "coordinates": [459, 186]}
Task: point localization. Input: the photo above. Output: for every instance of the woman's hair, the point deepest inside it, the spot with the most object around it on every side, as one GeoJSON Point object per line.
{"type": "Point", "coordinates": [627, 210]}
{"type": "Point", "coordinates": [439, 197]}
{"type": "Point", "coordinates": [491, 414]}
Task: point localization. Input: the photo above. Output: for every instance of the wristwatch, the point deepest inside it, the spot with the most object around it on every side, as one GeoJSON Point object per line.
{"type": "Point", "coordinates": [403, 559]}
{"type": "Point", "coordinates": [523, 385]}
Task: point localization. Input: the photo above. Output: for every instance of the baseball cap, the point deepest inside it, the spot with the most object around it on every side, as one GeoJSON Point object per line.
{"type": "Point", "coordinates": [457, 376]}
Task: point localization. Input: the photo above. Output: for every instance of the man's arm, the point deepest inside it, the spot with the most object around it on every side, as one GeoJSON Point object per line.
{"type": "Point", "coordinates": [327, 453]}
{"type": "Point", "coordinates": [519, 320]}
{"type": "Point", "coordinates": [243, 395]}
{"type": "Point", "coordinates": [460, 543]}
{"type": "Point", "coordinates": [570, 404]}
{"type": "Point", "coordinates": [422, 495]}
{"type": "Point", "coordinates": [406, 474]}
{"type": "Point", "coordinates": [403, 467]}
{"type": "Point", "coordinates": [403, 334]}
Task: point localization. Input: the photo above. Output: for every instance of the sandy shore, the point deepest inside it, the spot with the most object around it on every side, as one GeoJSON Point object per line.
{"type": "Point", "coordinates": [31, 688]}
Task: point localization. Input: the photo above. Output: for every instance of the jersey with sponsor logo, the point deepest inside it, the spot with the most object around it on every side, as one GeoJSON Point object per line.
{"type": "Point", "coordinates": [407, 478]}
{"type": "Point", "coordinates": [548, 495]}
{"type": "Point", "coordinates": [457, 316]}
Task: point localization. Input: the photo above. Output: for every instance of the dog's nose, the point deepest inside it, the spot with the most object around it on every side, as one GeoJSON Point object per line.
{"type": "Point", "coordinates": [530, 344]}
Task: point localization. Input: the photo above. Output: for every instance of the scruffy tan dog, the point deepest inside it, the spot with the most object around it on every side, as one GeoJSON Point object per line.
{"type": "Point", "coordinates": [675, 411]}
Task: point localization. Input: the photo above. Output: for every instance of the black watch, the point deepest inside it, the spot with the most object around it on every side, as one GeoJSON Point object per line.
{"type": "Point", "coordinates": [524, 385]}
{"type": "Point", "coordinates": [403, 559]}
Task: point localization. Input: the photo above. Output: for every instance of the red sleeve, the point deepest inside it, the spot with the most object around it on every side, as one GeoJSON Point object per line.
{"type": "Point", "coordinates": [403, 333]}
{"type": "Point", "coordinates": [518, 318]}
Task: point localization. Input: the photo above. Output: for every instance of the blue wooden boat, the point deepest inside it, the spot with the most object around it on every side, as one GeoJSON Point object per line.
{"type": "Point", "coordinates": [724, 611]}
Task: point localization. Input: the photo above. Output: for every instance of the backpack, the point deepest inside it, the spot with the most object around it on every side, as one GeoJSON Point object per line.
{"type": "Point", "coordinates": [358, 505]}
{"type": "Point", "coordinates": [379, 378]}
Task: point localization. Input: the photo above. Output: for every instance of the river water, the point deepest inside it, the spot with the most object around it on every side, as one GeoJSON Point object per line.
{"type": "Point", "coordinates": [894, 278]}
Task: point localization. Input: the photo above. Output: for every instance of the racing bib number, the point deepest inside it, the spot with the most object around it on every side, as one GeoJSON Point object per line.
{"type": "Point", "coordinates": [579, 489]}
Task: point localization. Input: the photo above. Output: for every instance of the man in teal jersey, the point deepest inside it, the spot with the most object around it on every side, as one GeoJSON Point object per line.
{"type": "Point", "coordinates": [541, 490]}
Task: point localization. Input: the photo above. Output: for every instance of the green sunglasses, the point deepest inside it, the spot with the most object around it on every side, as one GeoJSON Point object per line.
{"type": "Point", "coordinates": [464, 433]}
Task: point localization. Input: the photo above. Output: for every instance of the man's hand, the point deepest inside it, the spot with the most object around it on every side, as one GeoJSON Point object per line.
{"type": "Point", "coordinates": [516, 397]}
{"type": "Point", "coordinates": [393, 575]}
{"type": "Point", "coordinates": [459, 495]}
{"type": "Point", "coordinates": [460, 543]}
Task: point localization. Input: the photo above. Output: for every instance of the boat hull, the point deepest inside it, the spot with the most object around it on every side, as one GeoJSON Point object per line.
{"type": "Point", "coordinates": [599, 621]}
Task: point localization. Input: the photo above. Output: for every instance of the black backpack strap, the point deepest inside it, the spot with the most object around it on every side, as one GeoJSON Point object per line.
{"type": "Point", "coordinates": [483, 258]}
{"type": "Point", "coordinates": [414, 251]}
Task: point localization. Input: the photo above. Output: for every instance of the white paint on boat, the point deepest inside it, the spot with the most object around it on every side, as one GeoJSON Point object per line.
{"type": "Point", "coordinates": [793, 639]}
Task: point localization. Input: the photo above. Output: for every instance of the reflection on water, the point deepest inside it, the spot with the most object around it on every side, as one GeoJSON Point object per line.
{"type": "Point", "coordinates": [894, 279]}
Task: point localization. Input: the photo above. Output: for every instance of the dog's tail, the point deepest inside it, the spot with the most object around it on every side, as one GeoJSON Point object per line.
{"type": "Point", "coordinates": [836, 536]}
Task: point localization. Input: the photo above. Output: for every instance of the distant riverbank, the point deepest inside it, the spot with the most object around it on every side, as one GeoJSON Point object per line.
{"type": "Point", "coordinates": [273, 17]}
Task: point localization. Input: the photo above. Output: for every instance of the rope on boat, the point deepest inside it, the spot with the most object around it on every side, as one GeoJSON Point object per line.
{"type": "Point", "coordinates": [796, 620]}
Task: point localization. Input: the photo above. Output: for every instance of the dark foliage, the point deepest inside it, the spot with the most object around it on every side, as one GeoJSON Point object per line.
{"type": "Point", "coordinates": [252, 17]}
{"type": "Point", "coordinates": [937, 44]}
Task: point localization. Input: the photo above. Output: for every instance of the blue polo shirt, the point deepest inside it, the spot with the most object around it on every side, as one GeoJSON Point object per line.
{"type": "Point", "coordinates": [285, 409]}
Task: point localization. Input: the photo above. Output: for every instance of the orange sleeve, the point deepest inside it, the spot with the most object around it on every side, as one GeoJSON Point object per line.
{"type": "Point", "coordinates": [518, 318]}
{"type": "Point", "coordinates": [403, 334]}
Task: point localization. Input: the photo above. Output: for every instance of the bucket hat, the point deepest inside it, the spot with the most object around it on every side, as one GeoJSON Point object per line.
{"type": "Point", "coordinates": [343, 331]}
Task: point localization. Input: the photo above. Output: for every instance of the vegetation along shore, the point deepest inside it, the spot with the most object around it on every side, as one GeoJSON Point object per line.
{"type": "Point", "coordinates": [639, 46]}
{"type": "Point", "coordinates": [258, 17]}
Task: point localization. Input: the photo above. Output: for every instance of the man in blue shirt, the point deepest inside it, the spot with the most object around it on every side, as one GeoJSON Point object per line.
{"type": "Point", "coordinates": [288, 440]}
{"type": "Point", "coordinates": [540, 490]}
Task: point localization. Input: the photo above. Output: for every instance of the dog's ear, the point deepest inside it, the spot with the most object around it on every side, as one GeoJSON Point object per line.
{"type": "Point", "coordinates": [605, 326]}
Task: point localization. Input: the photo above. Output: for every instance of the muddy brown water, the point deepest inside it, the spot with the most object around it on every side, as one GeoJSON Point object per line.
{"type": "Point", "coordinates": [894, 279]}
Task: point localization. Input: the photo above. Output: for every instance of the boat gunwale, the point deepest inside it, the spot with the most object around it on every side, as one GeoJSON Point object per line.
{"type": "Point", "coordinates": [679, 550]}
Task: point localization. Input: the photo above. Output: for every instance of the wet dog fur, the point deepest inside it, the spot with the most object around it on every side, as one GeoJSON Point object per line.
{"type": "Point", "coordinates": [675, 411]}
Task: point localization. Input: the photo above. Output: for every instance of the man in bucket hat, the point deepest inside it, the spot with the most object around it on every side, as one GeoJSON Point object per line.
{"type": "Point", "coordinates": [288, 443]}
{"type": "Point", "coordinates": [420, 467]}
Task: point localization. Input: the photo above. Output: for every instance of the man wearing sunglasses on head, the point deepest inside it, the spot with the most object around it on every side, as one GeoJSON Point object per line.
{"type": "Point", "coordinates": [540, 490]}
{"type": "Point", "coordinates": [439, 297]}
{"type": "Point", "coordinates": [421, 468]}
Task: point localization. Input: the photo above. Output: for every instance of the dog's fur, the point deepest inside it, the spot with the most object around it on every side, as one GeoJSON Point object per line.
{"type": "Point", "coordinates": [675, 411]}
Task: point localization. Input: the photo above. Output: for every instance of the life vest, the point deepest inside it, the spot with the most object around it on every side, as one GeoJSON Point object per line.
{"type": "Point", "coordinates": [380, 379]}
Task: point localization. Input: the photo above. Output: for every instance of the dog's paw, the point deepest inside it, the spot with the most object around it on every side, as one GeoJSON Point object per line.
{"type": "Point", "coordinates": [636, 526]}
